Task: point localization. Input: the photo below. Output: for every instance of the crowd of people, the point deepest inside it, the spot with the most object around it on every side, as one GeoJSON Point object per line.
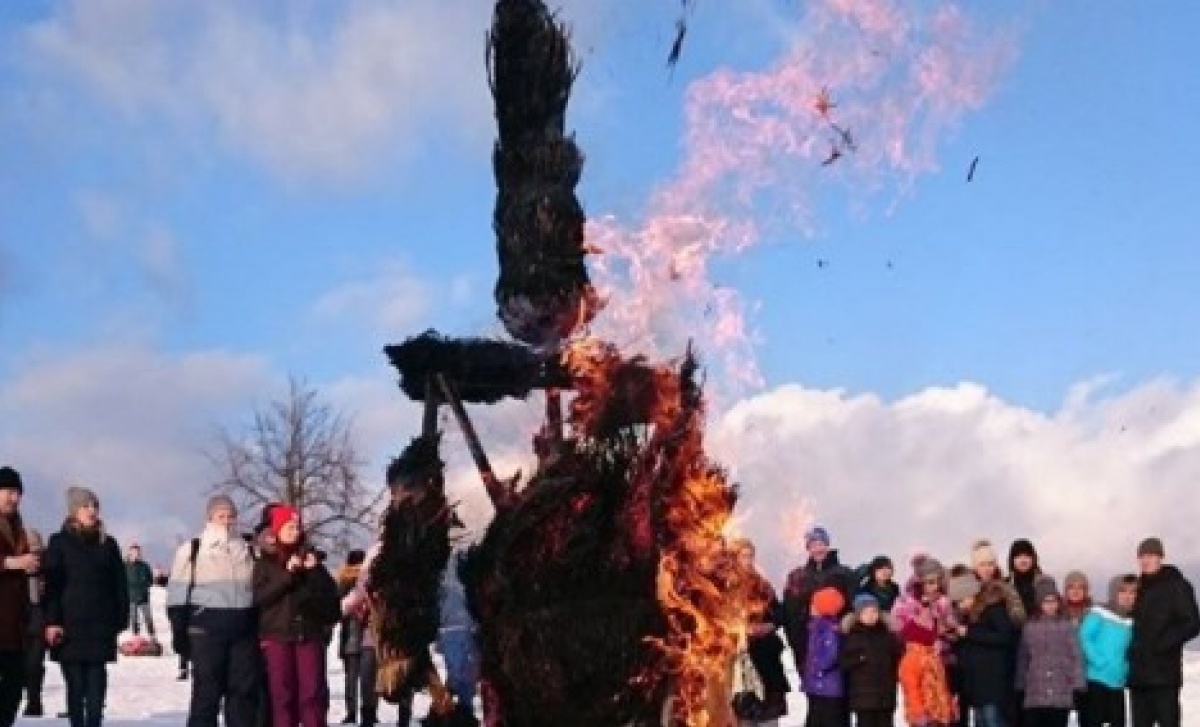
{"type": "Point", "coordinates": [252, 618]}
{"type": "Point", "coordinates": [972, 644]}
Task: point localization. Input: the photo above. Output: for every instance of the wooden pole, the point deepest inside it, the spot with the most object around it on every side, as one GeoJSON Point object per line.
{"type": "Point", "coordinates": [432, 399]}
{"type": "Point", "coordinates": [497, 491]}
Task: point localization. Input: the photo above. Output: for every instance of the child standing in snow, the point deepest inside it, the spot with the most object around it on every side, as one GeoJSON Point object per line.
{"type": "Point", "coordinates": [879, 584]}
{"type": "Point", "coordinates": [1104, 637]}
{"type": "Point", "coordinates": [922, 615]}
{"type": "Point", "coordinates": [870, 659]}
{"type": "Point", "coordinates": [1049, 663]}
{"type": "Point", "coordinates": [821, 678]}
{"type": "Point", "coordinates": [987, 640]}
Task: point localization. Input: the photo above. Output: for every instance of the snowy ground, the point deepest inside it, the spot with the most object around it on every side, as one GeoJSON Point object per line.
{"type": "Point", "coordinates": [143, 691]}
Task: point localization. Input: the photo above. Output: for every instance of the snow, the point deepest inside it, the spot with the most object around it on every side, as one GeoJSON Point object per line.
{"type": "Point", "coordinates": [143, 691]}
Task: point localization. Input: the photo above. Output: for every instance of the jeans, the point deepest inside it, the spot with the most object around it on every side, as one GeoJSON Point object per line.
{"type": "Point", "coordinates": [12, 683]}
{"type": "Point", "coordinates": [462, 665]}
{"type": "Point", "coordinates": [143, 610]}
{"type": "Point", "coordinates": [87, 686]}
{"type": "Point", "coordinates": [989, 715]}
{"type": "Point", "coordinates": [352, 666]}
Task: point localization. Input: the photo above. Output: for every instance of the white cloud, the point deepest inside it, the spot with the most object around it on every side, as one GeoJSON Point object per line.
{"type": "Point", "coordinates": [391, 300]}
{"type": "Point", "coordinates": [933, 470]}
{"type": "Point", "coordinates": [300, 89]}
{"type": "Point", "coordinates": [944, 466]}
{"type": "Point", "coordinates": [128, 422]}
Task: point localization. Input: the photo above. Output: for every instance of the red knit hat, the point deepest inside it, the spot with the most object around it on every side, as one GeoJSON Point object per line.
{"type": "Point", "coordinates": [828, 602]}
{"type": "Point", "coordinates": [280, 515]}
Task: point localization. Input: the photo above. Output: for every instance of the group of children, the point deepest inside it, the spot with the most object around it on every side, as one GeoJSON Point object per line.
{"type": "Point", "coordinates": [965, 645]}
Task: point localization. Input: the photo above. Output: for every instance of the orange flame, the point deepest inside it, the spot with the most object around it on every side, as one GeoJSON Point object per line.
{"type": "Point", "coordinates": [697, 571]}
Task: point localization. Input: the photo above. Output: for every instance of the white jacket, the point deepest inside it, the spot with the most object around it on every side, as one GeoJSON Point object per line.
{"type": "Point", "coordinates": [223, 575]}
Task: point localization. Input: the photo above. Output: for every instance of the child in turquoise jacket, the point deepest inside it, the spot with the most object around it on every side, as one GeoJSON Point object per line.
{"type": "Point", "coordinates": [1104, 636]}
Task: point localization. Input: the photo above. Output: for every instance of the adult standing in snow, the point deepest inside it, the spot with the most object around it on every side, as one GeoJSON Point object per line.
{"type": "Point", "coordinates": [456, 642]}
{"type": "Point", "coordinates": [87, 605]}
{"type": "Point", "coordinates": [822, 570]}
{"type": "Point", "coordinates": [140, 578]}
{"type": "Point", "coordinates": [1165, 617]}
{"type": "Point", "coordinates": [35, 643]}
{"type": "Point", "coordinates": [16, 565]}
{"type": "Point", "coordinates": [211, 606]}
{"type": "Point", "coordinates": [350, 634]}
{"type": "Point", "coordinates": [297, 605]}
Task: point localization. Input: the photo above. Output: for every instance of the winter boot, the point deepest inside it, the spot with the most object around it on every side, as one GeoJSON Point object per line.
{"type": "Point", "coordinates": [368, 719]}
{"type": "Point", "coordinates": [350, 718]}
{"type": "Point", "coordinates": [33, 709]}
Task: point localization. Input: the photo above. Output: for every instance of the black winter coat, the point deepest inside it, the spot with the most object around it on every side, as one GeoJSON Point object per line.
{"type": "Point", "coordinates": [300, 606]}
{"type": "Point", "coordinates": [802, 583]}
{"type": "Point", "coordinates": [870, 662]}
{"type": "Point", "coordinates": [1165, 618]}
{"type": "Point", "coordinates": [986, 656]}
{"type": "Point", "coordinates": [86, 594]}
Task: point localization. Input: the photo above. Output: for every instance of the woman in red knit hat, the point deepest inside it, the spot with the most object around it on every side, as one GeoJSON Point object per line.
{"type": "Point", "coordinates": [297, 601]}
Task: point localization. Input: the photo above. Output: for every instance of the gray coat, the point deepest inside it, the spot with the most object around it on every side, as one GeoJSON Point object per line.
{"type": "Point", "coordinates": [1049, 665]}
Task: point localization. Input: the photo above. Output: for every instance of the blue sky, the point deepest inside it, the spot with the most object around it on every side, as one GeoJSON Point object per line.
{"type": "Point", "coordinates": [238, 181]}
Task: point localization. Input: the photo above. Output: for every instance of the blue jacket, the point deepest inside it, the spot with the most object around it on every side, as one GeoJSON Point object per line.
{"type": "Point", "coordinates": [822, 675]}
{"type": "Point", "coordinates": [1104, 638]}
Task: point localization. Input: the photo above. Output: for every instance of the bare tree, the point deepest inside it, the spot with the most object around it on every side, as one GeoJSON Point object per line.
{"type": "Point", "coordinates": [299, 450]}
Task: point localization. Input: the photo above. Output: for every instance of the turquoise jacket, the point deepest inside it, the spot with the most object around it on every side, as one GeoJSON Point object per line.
{"type": "Point", "coordinates": [1104, 639]}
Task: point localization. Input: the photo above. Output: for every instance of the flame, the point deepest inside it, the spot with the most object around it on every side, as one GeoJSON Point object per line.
{"type": "Point", "coordinates": [897, 76]}
{"type": "Point", "coordinates": [696, 567]}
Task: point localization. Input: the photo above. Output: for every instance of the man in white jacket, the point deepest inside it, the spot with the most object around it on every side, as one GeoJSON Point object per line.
{"type": "Point", "coordinates": [211, 606]}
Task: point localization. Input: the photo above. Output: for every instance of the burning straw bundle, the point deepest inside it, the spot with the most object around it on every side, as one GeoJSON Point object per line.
{"type": "Point", "coordinates": [601, 593]}
{"type": "Point", "coordinates": [406, 575]}
{"type": "Point", "coordinates": [543, 292]}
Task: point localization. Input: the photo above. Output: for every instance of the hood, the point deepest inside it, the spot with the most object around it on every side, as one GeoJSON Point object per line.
{"type": "Point", "coordinates": [831, 561]}
{"type": "Point", "coordinates": [850, 621]}
{"type": "Point", "coordinates": [1166, 574]}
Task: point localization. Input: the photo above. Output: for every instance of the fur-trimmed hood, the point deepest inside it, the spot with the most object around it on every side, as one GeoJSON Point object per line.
{"type": "Point", "coordinates": [850, 621]}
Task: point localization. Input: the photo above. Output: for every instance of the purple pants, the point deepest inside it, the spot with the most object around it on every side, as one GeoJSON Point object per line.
{"type": "Point", "coordinates": [296, 682]}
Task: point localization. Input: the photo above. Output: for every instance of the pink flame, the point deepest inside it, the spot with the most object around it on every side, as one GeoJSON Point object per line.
{"type": "Point", "coordinates": [901, 76]}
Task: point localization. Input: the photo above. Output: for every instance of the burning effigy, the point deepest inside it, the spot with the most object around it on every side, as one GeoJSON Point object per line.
{"type": "Point", "coordinates": [602, 586]}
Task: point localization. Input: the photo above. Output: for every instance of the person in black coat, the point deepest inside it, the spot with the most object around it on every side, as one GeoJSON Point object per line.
{"type": "Point", "coordinates": [764, 646]}
{"type": "Point", "coordinates": [870, 660]}
{"type": "Point", "coordinates": [87, 605]}
{"type": "Point", "coordinates": [1165, 617]}
{"type": "Point", "coordinates": [877, 581]}
{"type": "Point", "coordinates": [822, 569]}
{"type": "Point", "coordinates": [987, 640]}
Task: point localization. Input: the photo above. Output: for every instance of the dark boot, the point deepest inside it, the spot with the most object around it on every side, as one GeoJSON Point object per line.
{"type": "Point", "coordinates": [368, 719]}
{"type": "Point", "coordinates": [33, 709]}
{"type": "Point", "coordinates": [350, 718]}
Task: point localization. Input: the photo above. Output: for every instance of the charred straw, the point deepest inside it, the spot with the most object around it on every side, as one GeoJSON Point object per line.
{"type": "Point", "coordinates": [543, 291]}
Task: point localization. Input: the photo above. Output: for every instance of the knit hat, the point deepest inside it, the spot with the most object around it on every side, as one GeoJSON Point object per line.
{"type": "Point", "coordinates": [1021, 546]}
{"type": "Point", "coordinates": [10, 479]}
{"type": "Point", "coordinates": [928, 567]}
{"type": "Point", "coordinates": [983, 552]}
{"type": "Point", "coordinates": [281, 515]}
{"type": "Point", "coordinates": [1044, 588]}
{"type": "Point", "coordinates": [828, 601]}
{"type": "Point", "coordinates": [1076, 578]}
{"type": "Point", "coordinates": [880, 561]}
{"type": "Point", "coordinates": [818, 534]}
{"type": "Point", "coordinates": [864, 601]}
{"type": "Point", "coordinates": [78, 497]}
{"type": "Point", "coordinates": [1151, 546]}
{"type": "Point", "coordinates": [219, 502]}
{"type": "Point", "coordinates": [960, 588]}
